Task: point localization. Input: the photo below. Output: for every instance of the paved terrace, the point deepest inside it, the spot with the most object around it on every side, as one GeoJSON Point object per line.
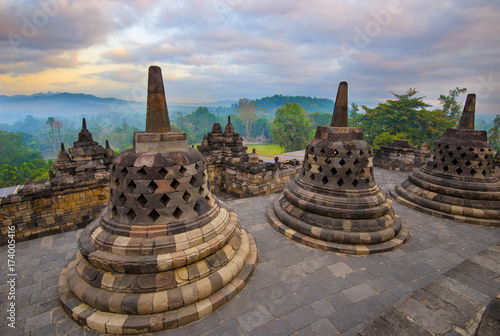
{"type": "Point", "coordinates": [296, 290]}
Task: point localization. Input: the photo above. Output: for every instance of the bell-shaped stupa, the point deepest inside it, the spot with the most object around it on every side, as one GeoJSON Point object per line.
{"type": "Point", "coordinates": [165, 252]}
{"type": "Point", "coordinates": [334, 203]}
{"type": "Point", "coordinates": [458, 182]}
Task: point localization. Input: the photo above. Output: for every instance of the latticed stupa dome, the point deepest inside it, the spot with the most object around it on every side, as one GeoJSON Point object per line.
{"type": "Point", "coordinates": [334, 204]}
{"type": "Point", "coordinates": [165, 252]}
{"type": "Point", "coordinates": [458, 182]}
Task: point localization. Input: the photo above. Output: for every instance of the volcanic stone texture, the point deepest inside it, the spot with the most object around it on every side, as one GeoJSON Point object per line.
{"type": "Point", "coordinates": [334, 203]}
{"type": "Point", "coordinates": [458, 182]}
{"type": "Point", "coordinates": [163, 254]}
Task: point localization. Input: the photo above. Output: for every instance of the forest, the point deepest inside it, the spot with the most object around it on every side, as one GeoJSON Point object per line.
{"type": "Point", "coordinates": [28, 146]}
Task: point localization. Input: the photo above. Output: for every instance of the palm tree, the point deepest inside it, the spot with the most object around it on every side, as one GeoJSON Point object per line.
{"type": "Point", "coordinates": [50, 121]}
{"type": "Point", "coordinates": [58, 124]}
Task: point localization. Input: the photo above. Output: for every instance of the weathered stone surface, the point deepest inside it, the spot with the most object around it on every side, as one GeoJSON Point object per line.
{"type": "Point", "coordinates": [165, 252]}
{"type": "Point", "coordinates": [458, 182]}
{"type": "Point", "coordinates": [334, 203]}
{"type": "Point", "coordinates": [399, 155]}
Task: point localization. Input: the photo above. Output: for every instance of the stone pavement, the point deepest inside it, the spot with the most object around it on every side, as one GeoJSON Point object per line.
{"type": "Point", "coordinates": [296, 290]}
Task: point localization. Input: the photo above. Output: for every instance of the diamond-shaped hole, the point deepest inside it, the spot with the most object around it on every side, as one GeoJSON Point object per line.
{"type": "Point", "coordinates": [472, 172]}
{"type": "Point", "coordinates": [124, 171]}
{"type": "Point", "coordinates": [197, 207]}
{"type": "Point", "coordinates": [471, 149]}
{"type": "Point", "coordinates": [178, 213]}
{"type": "Point", "coordinates": [315, 159]}
{"type": "Point", "coordinates": [460, 171]}
{"type": "Point", "coordinates": [193, 181]}
{"type": "Point", "coordinates": [468, 163]}
{"type": "Point", "coordinates": [165, 200]}
{"type": "Point", "coordinates": [328, 161]}
{"type": "Point", "coordinates": [141, 200]}
{"type": "Point", "coordinates": [367, 181]}
{"type": "Point", "coordinates": [116, 183]}
{"type": "Point", "coordinates": [333, 171]}
{"type": "Point", "coordinates": [480, 164]}
{"type": "Point", "coordinates": [152, 186]}
{"type": "Point", "coordinates": [324, 180]}
{"type": "Point", "coordinates": [440, 152]}
{"type": "Point", "coordinates": [450, 154]}
{"type": "Point", "coordinates": [196, 166]}
{"type": "Point", "coordinates": [130, 215]}
{"type": "Point", "coordinates": [356, 162]}
{"type": "Point", "coordinates": [443, 160]}
{"type": "Point", "coordinates": [335, 152]}
{"type": "Point", "coordinates": [313, 177]}
{"type": "Point", "coordinates": [361, 153]}
{"type": "Point", "coordinates": [342, 162]}
{"type": "Point", "coordinates": [141, 172]}
{"type": "Point", "coordinates": [476, 156]}
{"type": "Point", "coordinates": [182, 170]}
{"type": "Point", "coordinates": [114, 212]}
{"type": "Point", "coordinates": [131, 187]}
{"type": "Point", "coordinates": [320, 169]}
{"type": "Point", "coordinates": [340, 182]}
{"type": "Point", "coordinates": [348, 172]}
{"type": "Point", "coordinates": [322, 151]}
{"type": "Point", "coordinates": [463, 155]}
{"type": "Point", "coordinates": [355, 183]}
{"type": "Point", "coordinates": [154, 215]}
{"type": "Point", "coordinates": [186, 197]}
{"type": "Point", "coordinates": [175, 184]}
{"type": "Point", "coordinates": [454, 162]}
{"type": "Point", "coordinates": [447, 146]}
{"type": "Point", "coordinates": [484, 172]}
{"type": "Point", "coordinates": [122, 199]}
{"type": "Point", "coordinates": [445, 168]}
{"type": "Point", "coordinates": [163, 172]}
{"type": "Point", "coordinates": [459, 148]}
{"type": "Point", "coordinates": [482, 150]}
{"type": "Point", "coordinates": [349, 154]}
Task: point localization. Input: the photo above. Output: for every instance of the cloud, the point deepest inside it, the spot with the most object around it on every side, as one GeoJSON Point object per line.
{"type": "Point", "coordinates": [228, 49]}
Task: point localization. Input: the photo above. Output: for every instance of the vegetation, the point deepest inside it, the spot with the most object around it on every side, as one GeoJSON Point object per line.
{"type": "Point", "coordinates": [494, 134]}
{"type": "Point", "coordinates": [291, 128]}
{"type": "Point", "coordinates": [19, 161]}
{"type": "Point", "coordinates": [407, 116]}
{"type": "Point", "coordinates": [451, 107]}
{"type": "Point", "coordinates": [266, 150]}
{"type": "Point", "coordinates": [248, 113]}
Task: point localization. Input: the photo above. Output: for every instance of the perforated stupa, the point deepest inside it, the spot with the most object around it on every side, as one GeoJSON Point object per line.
{"type": "Point", "coordinates": [334, 203]}
{"type": "Point", "coordinates": [165, 252]}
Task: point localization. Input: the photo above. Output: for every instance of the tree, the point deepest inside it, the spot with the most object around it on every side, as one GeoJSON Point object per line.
{"type": "Point", "coordinates": [247, 112]}
{"type": "Point", "coordinates": [58, 124]}
{"type": "Point", "coordinates": [408, 115]}
{"type": "Point", "coordinates": [451, 107]}
{"type": "Point", "coordinates": [291, 128]}
{"type": "Point", "coordinates": [50, 121]}
{"type": "Point", "coordinates": [320, 119]}
{"type": "Point", "coordinates": [354, 115]}
{"type": "Point", "coordinates": [494, 133]}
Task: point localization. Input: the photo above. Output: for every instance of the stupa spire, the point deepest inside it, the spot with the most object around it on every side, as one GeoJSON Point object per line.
{"type": "Point", "coordinates": [469, 113]}
{"type": "Point", "coordinates": [84, 124]}
{"type": "Point", "coordinates": [339, 118]}
{"type": "Point", "coordinates": [157, 120]}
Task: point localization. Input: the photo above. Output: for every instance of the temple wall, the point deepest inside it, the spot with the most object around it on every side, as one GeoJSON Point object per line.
{"type": "Point", "coordinates": [400, 159]}
{"type": "Point", "coordinates": [48, 207]}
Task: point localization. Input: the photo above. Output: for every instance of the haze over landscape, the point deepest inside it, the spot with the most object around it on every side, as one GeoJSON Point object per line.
{"type": "Point", "coordinates": [229, 49]}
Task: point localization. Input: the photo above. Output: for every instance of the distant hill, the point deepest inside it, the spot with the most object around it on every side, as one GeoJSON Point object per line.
{"type": "Point", "coordinates": [309, 104]}
{"type": "Point", "coordinates": [65, 104]}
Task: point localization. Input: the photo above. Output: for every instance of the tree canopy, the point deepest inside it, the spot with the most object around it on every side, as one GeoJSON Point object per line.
{"type": "Point", "coordinates": [494, 134]}
{"type": "Point", "coordinates": [291, 128]}
{"type": "Point", "coordinates": [408, 116]}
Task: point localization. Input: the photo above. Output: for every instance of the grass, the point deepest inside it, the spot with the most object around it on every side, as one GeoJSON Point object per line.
{"type": "Point", "coordinates": [266, 150]}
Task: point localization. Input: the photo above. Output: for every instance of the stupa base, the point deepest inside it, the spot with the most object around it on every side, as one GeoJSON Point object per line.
{"type": "Point", "coordinates": [357, 249]}
{"type": "Point", "coordinates": [116, 323]}
{"type": "Point", "coordinates": [454, 212]}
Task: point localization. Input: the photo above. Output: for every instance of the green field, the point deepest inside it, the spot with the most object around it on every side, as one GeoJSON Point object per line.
{"type": "Point", "coordinates": [266, 150]}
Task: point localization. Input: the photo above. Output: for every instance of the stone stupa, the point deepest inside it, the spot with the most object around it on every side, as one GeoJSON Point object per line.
{"type": "Point", "coordinates": [334, 203]}
{"type": "Point", "coordinates": [165, 252]}
{"type": "Point", "coordinates": [458, 182]}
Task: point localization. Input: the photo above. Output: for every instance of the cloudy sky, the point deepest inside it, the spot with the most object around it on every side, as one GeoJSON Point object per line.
{"type": "Point", "coordinates": [212, 50]}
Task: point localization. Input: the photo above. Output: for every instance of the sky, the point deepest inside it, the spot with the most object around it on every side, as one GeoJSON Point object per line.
{"type": "Point", "coordinates": [211, 50]}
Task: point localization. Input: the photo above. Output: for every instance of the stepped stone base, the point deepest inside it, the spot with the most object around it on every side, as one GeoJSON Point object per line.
{"type": "Point", "coordinates": [146, 310]}
{"type": "Point", "coordinates": [454, 212]}
{"type": "Point", "coordinates": [358, 249]}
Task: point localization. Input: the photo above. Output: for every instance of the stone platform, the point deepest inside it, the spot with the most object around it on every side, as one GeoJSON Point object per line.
{"type": "Point", "coordinates": [295, 290]}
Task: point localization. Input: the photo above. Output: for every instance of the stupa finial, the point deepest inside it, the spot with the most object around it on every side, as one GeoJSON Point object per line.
{"type": "Point", "coordinates": [62, 147]}
{"type": "Point", "coordinates": [157, 120]}
{"type": "Point", "coordinates": [469, 113]}
{"type": "Point", "coordinates": [339, 118]}
{"type": "Point", "coordinates": [84, 124]}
